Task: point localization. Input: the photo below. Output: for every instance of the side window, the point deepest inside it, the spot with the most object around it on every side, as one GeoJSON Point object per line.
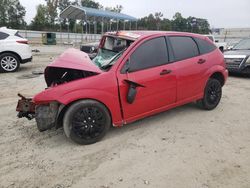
{"type": "Point", "coordinates": [18, 35]}
{"type": "Point", "coordinates": [183, 47]}
{"type": "Point", "coordinates": [151, 53]}
{"type": "Point", "coordinates": [205, 46]}
{"type": "Point", "coordinates": [3, 35]}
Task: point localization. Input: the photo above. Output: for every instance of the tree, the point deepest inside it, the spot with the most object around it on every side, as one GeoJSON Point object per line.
{"type": "Point", "coordinates": [117, 8]}
{"type": "Point", "coordinates": [63, 4]}
{"type": "Point", "coordinates": [148, 23]}
{"type": "Point", "coordinates": [40, 21]}
{"type": "Point", "coordinates": [179, 23]}
{"type": "Point", "coordinates": [158, 16]}
{"type": "Point", "coordinates": [52, 6]}
{"type": "Point", "coordinates": [91, 4]}
{"type": "Point", "coordinates": [166, 25]}
{"type": "Point", "coordinates": [3, 13]}
{"type": "Point", "coordinates": [12, 14]}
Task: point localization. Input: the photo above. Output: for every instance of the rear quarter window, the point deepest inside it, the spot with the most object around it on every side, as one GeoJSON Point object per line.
{"type": "Point", "coordinates": [205, 46]}
{"type": "Point", "coordinates": [3, 35]}
{"type": "Point", "coordinates": [18, 35]}
{"type": "Point", "coordinates": [183, 47]}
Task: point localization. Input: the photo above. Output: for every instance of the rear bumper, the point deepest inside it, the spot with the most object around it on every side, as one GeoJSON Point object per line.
{"type": "Point", "coordinates": [27, 60]}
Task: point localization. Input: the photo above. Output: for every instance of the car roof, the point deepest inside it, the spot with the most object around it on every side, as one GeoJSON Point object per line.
{"type": "Point", "coordinates": [8, 31]}
{"type": "Point", "coordinates": [134, 35]}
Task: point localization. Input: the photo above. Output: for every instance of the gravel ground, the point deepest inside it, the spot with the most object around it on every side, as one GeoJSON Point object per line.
{"type": "Point", "coordinates": [183, 147]}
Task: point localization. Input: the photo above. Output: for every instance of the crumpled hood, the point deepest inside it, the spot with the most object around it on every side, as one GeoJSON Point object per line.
{"type": "Point", "coordinates": [75, 59]}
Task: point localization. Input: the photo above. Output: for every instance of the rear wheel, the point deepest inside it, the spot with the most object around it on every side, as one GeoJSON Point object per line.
{"type": "Point", "coordinates": [86, 122]}
{"type": "Point", "coordinates": [9, 62]}
{"type": "Point", "coordinates": [212, 95]}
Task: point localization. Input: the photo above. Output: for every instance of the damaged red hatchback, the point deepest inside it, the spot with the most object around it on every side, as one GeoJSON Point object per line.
{"type": "Point", "coordinates": [134, 75]}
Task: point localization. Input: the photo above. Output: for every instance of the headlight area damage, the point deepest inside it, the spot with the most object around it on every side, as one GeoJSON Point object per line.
{"type": "Point", "coordinates": [70, 66]}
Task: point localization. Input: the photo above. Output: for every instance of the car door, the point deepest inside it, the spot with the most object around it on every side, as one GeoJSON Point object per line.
{"type": "Point", "coordinates": [190, 67]}
{"type": "Point", "coordinates": [154, 78]}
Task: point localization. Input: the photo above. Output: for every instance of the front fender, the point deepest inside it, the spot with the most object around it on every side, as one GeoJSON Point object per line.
{"type": "Point", "coordinates": [111, 101]}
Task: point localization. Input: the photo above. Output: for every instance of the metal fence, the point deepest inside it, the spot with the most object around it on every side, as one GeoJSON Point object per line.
{"type": "Point", "coordinates": [232, 34]}
{"type": "Point", "coordinates": [69, 38]}
{"type": "Point", "coordinates": [224, 35]}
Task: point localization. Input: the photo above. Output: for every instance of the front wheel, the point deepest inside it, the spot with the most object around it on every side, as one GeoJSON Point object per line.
{"type": "Point", "coordinates": [86, 122]}
{"type": "Point", "coordinates": [212, 95]}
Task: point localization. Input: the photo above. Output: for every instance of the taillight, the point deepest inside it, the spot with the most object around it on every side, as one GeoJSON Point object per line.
{"type": "Point", "coordinates": [22, 41]}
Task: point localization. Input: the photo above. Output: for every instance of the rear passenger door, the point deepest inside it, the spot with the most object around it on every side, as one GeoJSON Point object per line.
{"type": "Point", "coordinates": [190, 67]}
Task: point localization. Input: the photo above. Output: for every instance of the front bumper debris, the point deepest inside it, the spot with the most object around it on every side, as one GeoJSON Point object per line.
{"type": "Point", "coordinates": [45, 115]}
{"type": "Point", "coordinates": [25, 107]}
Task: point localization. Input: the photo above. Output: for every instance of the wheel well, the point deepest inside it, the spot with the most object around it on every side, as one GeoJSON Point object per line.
{"type": "Point", "coordinates": [218, 76]}
{"type": "Point", "coordinates": [18, 56]}
{"type": "Point", "coordinates": [59, 121]}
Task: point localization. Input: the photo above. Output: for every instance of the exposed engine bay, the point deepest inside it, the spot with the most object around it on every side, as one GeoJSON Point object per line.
{"type": "Point", "coordinates": [55, 75]}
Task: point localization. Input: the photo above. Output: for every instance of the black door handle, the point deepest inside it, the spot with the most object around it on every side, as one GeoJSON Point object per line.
{"type": "Point", "coordinates": [163, 72]}
{"type": "Point", "coordinates": [201, 61]}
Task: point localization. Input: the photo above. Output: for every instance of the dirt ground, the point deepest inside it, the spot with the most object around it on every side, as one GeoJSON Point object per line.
{"type": "Point", "coordinates": [184, 147]}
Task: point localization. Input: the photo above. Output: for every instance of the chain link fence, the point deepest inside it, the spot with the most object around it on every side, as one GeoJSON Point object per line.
{"type": "Point", "coordinates": [35, 37]}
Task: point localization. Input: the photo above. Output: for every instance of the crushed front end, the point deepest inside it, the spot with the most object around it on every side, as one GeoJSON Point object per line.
{"type": "Point", "coordinates": [45, 115]}
{"type": "Point", "coordinates": [73, 65]}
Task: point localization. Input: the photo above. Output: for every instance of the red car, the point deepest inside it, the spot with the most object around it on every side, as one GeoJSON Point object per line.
{"type": "Point", "coordinates": [134, 75]}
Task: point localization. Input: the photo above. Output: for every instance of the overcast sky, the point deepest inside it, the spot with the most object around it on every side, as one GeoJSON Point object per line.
{"type": "Point", "coordinates": [219, 13]}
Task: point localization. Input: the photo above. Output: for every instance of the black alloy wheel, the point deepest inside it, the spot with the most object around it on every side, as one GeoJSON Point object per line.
{"type": "Point", "coordinates": [86, 122]}
{"type": "Point", "coordinates": [212, 95]}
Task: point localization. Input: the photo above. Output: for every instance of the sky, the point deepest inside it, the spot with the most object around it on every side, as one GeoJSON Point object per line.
{"type": "Point", "coordinates": [219, 13]}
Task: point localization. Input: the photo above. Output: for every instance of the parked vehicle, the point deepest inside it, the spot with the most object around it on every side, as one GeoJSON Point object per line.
{"type": "Point", "coordinates": [14, 50]}
{"type": "Point", "coordinates": [230, 45]}
{"type": "Point", "coordinates": [135, 75]}
{"type": "Point", "coordinates": [221, 45]}
{"type": "Point", "coordinates": [238, 58]}
{"type": "Point", "coordinates": [91, 49]}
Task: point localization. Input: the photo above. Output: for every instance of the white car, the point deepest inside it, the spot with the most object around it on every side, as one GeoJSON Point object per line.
{"type": "Point", "coordinates": [221, 45]}
{"type": "Point", "coordinates": [14, 50]}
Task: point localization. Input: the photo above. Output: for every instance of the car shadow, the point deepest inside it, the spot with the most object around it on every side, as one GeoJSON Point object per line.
{"type": "Point", "coordinates": [154, 119]}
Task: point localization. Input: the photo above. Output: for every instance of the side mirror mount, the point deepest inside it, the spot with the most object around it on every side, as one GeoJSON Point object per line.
{"type": "Point", "coordinates": [132, 90]}
{"type": "Point", "coordinates": [131, 94]}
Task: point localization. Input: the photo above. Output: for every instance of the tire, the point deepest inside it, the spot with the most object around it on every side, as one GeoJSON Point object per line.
{"type": "Point", "coordinates": [212, 95]}
{"type": "Point", "coordinates": [86, 122]}
{"type": "Point", "coordinates": [9, 62]}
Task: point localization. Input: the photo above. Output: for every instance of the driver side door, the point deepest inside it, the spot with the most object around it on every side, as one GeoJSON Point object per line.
{"type": "Point", "coordinates": [149, 69]}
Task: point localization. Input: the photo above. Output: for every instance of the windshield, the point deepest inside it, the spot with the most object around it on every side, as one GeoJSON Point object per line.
{"type": "Point", "coordinates": [111, 51]}
{"type": "Point", "coordinates": [242, 45]}
{"type": "Point", "coordinates": [104, 57]}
